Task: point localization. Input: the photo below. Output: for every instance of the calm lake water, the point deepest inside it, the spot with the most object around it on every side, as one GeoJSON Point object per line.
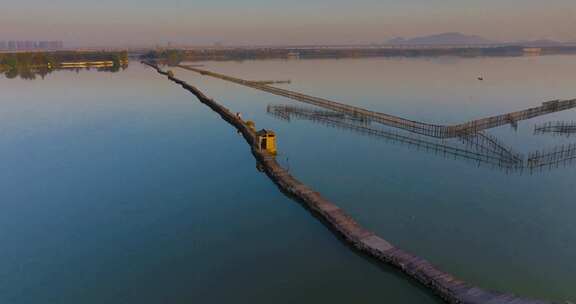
{"type": "Point", "coordinates": [122, 188]}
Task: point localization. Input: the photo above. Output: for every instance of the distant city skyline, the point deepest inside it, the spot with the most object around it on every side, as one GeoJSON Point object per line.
{"type": "Point", "coordinates": [31, 45]}
{"type": "Point", "coordinates": [259, 22]}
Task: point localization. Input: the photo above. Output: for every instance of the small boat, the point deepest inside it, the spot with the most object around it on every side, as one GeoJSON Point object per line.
{"type": "Point", "coordinates": [480, 77]}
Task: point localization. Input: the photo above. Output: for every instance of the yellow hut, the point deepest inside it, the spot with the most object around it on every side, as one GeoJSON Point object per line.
{"type": "Point", "coordinates": [266, 141]}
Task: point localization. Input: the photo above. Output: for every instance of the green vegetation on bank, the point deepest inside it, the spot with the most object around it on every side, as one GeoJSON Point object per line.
{"type": "Point", "coordinates": [27, 65]}
{"type": "Point", "coordinates": [174, 56]}
{"type": "Point", "coordinates": [170, 57]}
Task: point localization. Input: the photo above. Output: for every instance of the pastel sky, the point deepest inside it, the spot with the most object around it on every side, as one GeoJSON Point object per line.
{"type": "Point", "coordinates": [133, 22]}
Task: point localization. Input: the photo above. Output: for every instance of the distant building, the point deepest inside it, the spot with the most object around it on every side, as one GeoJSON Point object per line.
{"type": "Point", "coordinates": [533, 51]}
{"type": "Point", "coordinates": [293, 55]}
{"type": "Point", "coordinates": [28, 45]}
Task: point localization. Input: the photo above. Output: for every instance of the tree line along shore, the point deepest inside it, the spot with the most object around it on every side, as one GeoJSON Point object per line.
{"type": "Point", "coordinates": [174, 56]}
{"type": "Point", "coordinates": [29, 64]}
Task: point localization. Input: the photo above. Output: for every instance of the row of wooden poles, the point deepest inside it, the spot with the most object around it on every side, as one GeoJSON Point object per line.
{"type": "Point", "coordinates": [481, 149]}
{"type": "Point", "coordinates": [478, 147]}
{"type": "Point", "coordinates": [433, 130]}
{"type": "Point", "coordinates": [556, 127]}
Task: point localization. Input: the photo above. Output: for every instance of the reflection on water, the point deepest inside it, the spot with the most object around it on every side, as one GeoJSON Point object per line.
{"type": "Point", "coordinates": [119, 188]}
{"type": "Point", "coordinates": [28, 65]}
{"type": "Point", "coordinates": [479, 223]}
{"type": "Point", "coordinates": [32, 73]}
{"type": "Point", "coordinates": [99, 170]}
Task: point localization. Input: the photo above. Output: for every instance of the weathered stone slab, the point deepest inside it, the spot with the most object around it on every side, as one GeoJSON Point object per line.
{"type": "Point", "coordinates": [377, 243]}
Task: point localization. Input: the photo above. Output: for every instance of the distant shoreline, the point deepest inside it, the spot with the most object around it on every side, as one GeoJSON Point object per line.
{"type": "Point", "coordinates": [29, 64]}
{"type": "Point", "coordinates": [175, 56]}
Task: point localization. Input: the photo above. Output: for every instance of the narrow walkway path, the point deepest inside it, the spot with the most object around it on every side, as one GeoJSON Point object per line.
{"type": "Point", "coordinates": [443, 284]}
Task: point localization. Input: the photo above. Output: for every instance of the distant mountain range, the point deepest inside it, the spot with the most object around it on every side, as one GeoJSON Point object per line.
{"type": "Point", "coordinates": [455, 38]}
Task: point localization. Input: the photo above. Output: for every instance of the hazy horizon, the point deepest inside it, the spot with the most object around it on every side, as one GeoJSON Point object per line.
{"type": "Point", "coordinates": [147, 22]}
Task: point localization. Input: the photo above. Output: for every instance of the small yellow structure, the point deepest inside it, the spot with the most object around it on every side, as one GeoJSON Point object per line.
{"type": "Point", "coordinates": [266, 141]}
{"type": "Point", "coordinates": [532, 51]}
{"type": "Point", "coordinates": [251, 125]}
